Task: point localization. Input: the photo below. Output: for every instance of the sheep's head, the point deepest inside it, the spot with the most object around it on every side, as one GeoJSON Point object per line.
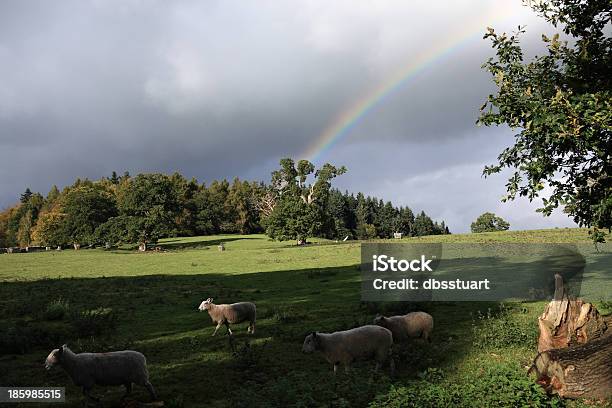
{"type": "Point", "coordinates": [311, 343]}
{"type": "Point", "coordinates": [54, 357]}
{"type": "Point", "coordinates": [205, 305]}
{"type": "Point", "coordinates": [380, 321]}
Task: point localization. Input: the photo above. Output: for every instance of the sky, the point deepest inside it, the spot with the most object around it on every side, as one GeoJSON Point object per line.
{"type": "Point", "coordinates": [219, 89]}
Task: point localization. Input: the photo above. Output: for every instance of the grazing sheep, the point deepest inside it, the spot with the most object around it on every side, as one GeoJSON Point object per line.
{"type": "Point", "coordinates": [114, 368]}
{"type": "Point", "coordinates": [412, 325]}
{"type": "Point", "coordinates": [346, 346]}
{"type": "Point", "coordinates": [234, 313]}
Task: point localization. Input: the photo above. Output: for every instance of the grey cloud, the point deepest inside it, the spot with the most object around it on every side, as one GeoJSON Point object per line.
{"type": "Point", "coordinates": [222, 89]}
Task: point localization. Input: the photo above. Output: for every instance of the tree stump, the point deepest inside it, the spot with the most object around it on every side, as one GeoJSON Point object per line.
{"type": "Point", "coordinates": [568, 322]}
{"type": "Point", "coordinates": [575, 348]}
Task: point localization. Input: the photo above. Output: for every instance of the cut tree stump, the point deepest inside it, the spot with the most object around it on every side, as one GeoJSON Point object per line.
{"type": "Point", "coordinates": [575, 348]}
{"type": "Point", "coordinates": [568, 322]}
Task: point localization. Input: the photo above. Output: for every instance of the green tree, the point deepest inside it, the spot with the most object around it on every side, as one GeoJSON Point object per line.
{"type": "Point", "coordinates": [489, 222]}
{"type": "Point", "coordinates": [404, 221]}
{"type": "Point", "coordinates": [561, 104]}
{"type": "Point", "coordinates": [114, 179]}
{"type": "Point", "coordinates": [301, 207]}
{"type": "Point", "coordinates": [339, 211]}
{"type": "Point", "coordinates": [148, 207]}
{"type": "Point", "coordinates": [25, 197]}
{"type": "Point", "coordinates": [84, 209]}
{"type": "Point", "coordinates": [423, 225]}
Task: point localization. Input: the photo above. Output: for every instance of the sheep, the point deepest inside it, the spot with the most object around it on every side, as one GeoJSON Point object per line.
{"type": "Point", "coordinates": [114, 368]}
{"type": "Point", "coordinates": [411, 325]}
{"type": "Point", "coordinates": [234, 313]}
{"type": "Point", "coordinates": [346, 346]}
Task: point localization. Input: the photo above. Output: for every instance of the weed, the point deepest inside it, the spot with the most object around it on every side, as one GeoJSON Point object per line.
{"type": "Point", "coordinates": [95, 322]}
{"type": "Point", "coordinates": [56, 310]}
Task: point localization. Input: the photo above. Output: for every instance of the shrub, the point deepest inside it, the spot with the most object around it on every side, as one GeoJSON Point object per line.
{"type": "Point", "coordinates": [56, 310]}
{"type": "Point", "coordinates": [95, 322]}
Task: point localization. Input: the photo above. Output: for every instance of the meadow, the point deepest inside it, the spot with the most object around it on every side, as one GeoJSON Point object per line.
{"type": "Point", "coordinates": [101, 300]}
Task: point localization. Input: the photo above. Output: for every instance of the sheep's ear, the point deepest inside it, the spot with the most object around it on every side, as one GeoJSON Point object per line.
{"type": "Point", "coordinates": [314, 335]}
{"type": "Point", "coordinates": [211, 300]}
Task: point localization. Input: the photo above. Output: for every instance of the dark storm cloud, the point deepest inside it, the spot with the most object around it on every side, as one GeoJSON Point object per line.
{"type": "Point", "coordinates": [222, 89]}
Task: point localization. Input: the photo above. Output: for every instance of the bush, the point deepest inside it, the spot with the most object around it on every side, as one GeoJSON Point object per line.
{"type": "Point", "coordinates": [95, 322]}
{"type": "Point", "coordinates": [56, 310]}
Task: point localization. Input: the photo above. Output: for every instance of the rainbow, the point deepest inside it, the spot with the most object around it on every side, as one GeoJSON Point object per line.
{"type": "Point", "coordinates": [349, 118]}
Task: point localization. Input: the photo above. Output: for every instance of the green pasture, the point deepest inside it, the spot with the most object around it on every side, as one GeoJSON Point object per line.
{"type": "Point", "coordinates": [98, 300]}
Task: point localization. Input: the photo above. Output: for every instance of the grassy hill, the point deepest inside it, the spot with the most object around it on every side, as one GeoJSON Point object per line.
{"type": "Point", "coordinates": [98, 300]}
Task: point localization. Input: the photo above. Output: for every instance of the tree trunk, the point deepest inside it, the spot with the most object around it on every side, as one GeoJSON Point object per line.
{"type": "Point", "coordinates": [575, 348]}
{"type": "Point", "coordinates": [578, 372]}
{"type": "Point", "coordinates": [568, 322]}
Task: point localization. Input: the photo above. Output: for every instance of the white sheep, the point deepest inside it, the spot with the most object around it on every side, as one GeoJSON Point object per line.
{"type": "Point", "coordinates": [230, 314]}
{"type": "Point", "coordinates": [411, 325]}
{"type": "Point", "coordinates": [114, 368]}
{"type": "Point", "coordinates": [344, 347]}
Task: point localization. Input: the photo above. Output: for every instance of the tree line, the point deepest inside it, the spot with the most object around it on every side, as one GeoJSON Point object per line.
{"type": "Point", "coordinates": [298, 203]}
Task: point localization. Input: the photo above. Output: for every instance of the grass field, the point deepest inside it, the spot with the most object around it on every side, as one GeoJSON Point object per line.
{"type": "Point", "coordinates": [98, 300]}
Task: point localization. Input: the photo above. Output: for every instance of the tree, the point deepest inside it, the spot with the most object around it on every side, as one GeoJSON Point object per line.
{"type": "Point", "coordinates": [423, 225]}
{"type": "Point", "coordinates": [489, 222]}
{"type": "Point", "coordinates": [246, 219]}
{"type": "Point", "coordinates": [300, 210]}
{"type": "Point", "coordinates": [25, 197]}
{"type": "Point", "coordinates": [404, 221]}
{"type": "Point", "coordinates": [50, 229]}
{"type": "Point", "coordinates": [561, 104]}
{"type": "Point", "coordinates": [148, 206]}
{"type": "Point", "coordinates": [339, 211]}
{"type": "Point", "coordinates": [84, 209]}
{"type": "Point", "coordinates": [114, 179]}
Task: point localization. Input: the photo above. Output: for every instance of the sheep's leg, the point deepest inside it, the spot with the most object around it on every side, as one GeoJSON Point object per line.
{"type": "Point", "coordinates": [347, 368]}
{"type": "Point", "coordinates": [217, 328]}
{"type": "Point", "coordinates": [336, 368]}
{"type": "Point", "coordinates": [252, 328]}
{"type": "Point", "coordinates": [392, 366]}
{"type": "Point", "coordinates": [229, 331]}
{"type": "Point", "coordinates": [151, 390]}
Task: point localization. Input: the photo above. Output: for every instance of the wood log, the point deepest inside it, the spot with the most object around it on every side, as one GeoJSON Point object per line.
{"type": "Point", "coordinates": [575, 348]}
{"type": "Point", "coordinates": [568, 322]}
{"type": "Point", "coordinates": [584, 371]}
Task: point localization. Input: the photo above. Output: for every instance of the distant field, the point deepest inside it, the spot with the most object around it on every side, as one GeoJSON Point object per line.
{"type": "Point", "coordinates": [148, 302]}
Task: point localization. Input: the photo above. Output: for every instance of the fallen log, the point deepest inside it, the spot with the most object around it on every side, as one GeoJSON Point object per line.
{"type": "Point", "coordinates": [578, 372]}
{"type": "Point", "coordinates": [575, 348]}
